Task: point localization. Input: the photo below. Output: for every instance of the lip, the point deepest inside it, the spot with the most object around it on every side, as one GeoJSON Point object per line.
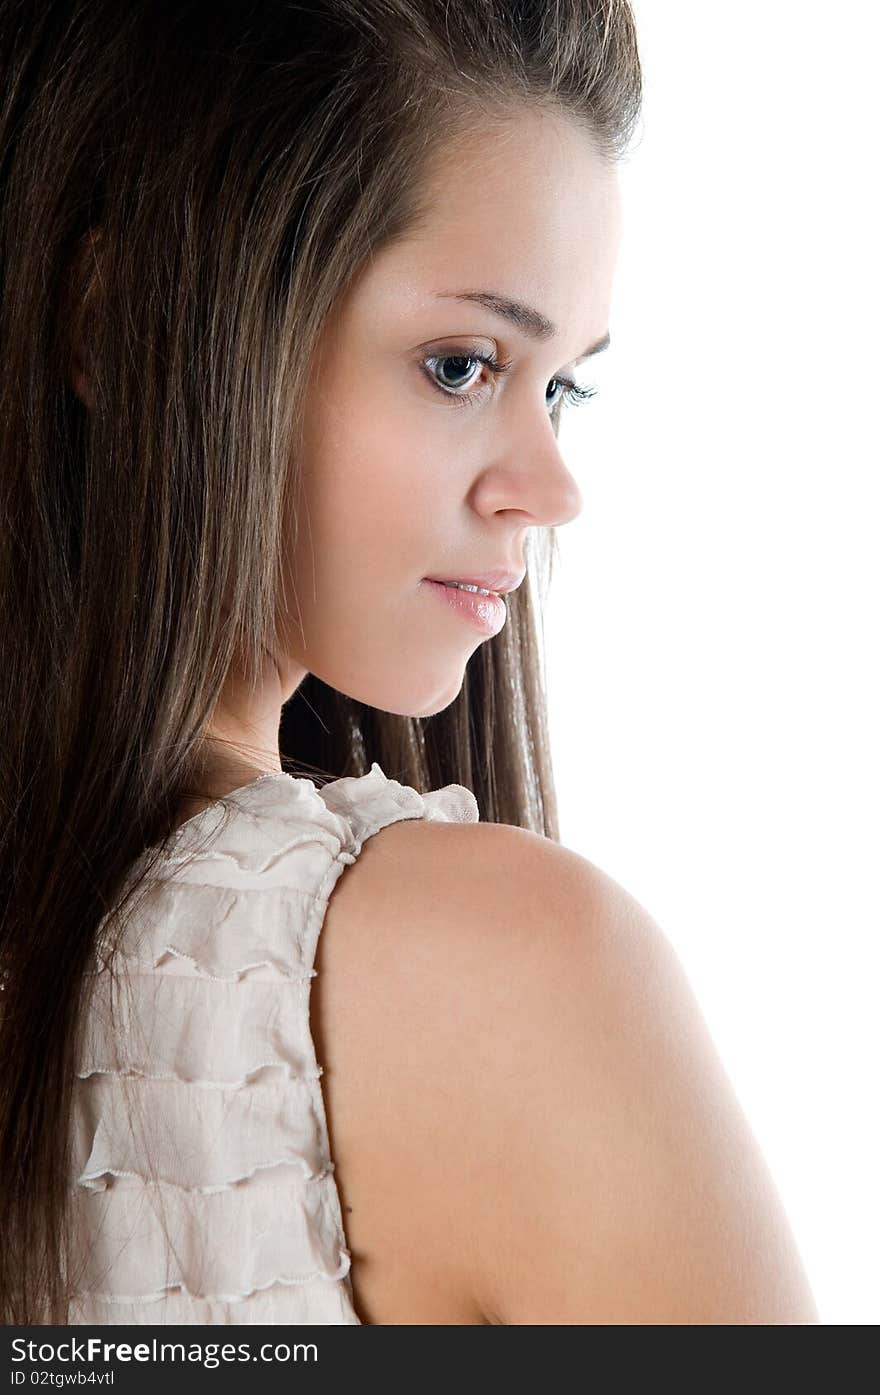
{"type": "Point", "coordinates": [498, 582]}
{"type": "Point", "coordinates": [488, 614]}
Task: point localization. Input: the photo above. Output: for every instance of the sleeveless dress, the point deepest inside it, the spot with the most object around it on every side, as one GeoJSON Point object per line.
{"type": "Point", "coordinates": [202, 1183]}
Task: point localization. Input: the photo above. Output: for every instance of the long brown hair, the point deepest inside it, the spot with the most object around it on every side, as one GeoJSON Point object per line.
{"type": "Point", "coordinates": [203, 183]}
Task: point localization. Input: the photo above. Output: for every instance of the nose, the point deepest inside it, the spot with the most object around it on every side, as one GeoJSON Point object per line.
{"type": "Point", "coordinates": [532, 476]}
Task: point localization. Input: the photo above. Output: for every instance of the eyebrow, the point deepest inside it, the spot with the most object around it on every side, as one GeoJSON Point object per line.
{"type": "Point", "coordinates": [525, 317]}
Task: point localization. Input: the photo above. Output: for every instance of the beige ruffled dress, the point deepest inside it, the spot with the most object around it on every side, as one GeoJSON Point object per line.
{"type": "Point", "coordinates": [203, 1186]}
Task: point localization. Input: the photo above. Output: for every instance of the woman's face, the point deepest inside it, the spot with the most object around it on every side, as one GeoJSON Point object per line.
{"type": "Point", "coordinates": [404, 481]}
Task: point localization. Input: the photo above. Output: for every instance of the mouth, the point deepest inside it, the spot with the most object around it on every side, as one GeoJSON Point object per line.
{"type": "Point", "coordinates": [484, 610]}
{"type": "Point", "coordinates": [465, 586]}
{"type": "Point", "coordinates": [499, 582]}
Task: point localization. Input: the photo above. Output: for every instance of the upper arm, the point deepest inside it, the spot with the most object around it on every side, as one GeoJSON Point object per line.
{"type": "Point", "coordinates": [615, 1178]}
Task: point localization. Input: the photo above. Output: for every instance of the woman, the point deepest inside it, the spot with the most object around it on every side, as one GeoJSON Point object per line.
{"type": "Point", "coordinates": [256, 260]}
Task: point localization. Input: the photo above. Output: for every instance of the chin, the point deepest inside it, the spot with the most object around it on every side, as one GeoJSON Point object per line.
{"type": "Point", "coordinates": [439, 703]}
{"type": "Point", "coordinates": [418, 706]}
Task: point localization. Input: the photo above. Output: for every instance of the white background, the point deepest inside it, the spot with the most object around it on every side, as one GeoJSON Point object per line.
{"type": "Point", "coordinates": [712, 624]}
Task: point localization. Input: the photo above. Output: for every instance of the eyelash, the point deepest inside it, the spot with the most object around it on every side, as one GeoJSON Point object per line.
{"type": "Point", "coordinates": [573, 396]}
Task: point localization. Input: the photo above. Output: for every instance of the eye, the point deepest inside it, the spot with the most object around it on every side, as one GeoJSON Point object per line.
{"type": "Point", "coordinates": [449, 373]}
{"type": "Point", "coordinates": [573, 396]}
{"type": "Point", "coordinates": [454, 366]}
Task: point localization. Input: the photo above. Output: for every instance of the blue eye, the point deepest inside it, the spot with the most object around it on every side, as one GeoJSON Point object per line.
{"type": "Point", "coordinates": [572, 395]}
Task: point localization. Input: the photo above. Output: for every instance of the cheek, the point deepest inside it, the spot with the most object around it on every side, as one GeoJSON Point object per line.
{"type": "Point", "coordinates": [377, 473]}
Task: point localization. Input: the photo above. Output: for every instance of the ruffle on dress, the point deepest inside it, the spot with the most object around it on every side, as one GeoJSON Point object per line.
{"type": "Point", "coordinates": [199, 1058]}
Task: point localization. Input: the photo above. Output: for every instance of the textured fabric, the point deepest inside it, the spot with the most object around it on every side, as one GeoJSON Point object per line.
{"type": "Point", "coordinates": [207, 1068]}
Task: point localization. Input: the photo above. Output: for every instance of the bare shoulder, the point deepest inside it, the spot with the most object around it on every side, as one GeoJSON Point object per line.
{"type": "Point", "coordinates": [529, 1118]}
{"type": "Point", "coordinates": [633, 1189]}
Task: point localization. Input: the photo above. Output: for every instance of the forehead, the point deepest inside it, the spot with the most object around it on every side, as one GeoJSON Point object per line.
{"type": "Point", "coordinates": [529, 208]}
